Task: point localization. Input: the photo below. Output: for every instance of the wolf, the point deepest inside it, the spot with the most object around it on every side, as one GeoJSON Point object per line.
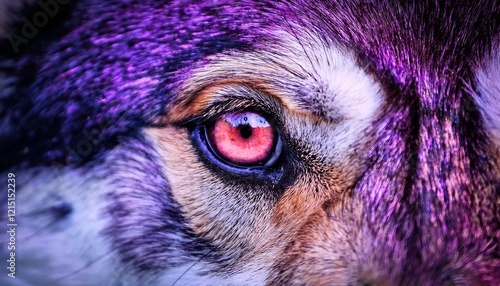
{"type": "Point", "coordinates": [322, 142]}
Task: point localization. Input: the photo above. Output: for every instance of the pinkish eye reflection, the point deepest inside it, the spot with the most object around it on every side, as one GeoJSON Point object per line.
{"type": "Point", "coordinates": [243, 138]}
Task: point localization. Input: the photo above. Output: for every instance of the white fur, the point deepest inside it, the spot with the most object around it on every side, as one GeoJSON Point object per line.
{"type": "Point", "coordinates": [349, 96]}
{"type": "Point", "coordinates": [488, 78]}
{"type": "Point", "coordinates": [70, 253]}
{"type": "Point", "coordinates": [349, 92]}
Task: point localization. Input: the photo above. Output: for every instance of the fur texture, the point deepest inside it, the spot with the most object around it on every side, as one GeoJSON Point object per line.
{"type": "Point", "coordinates": [387, 113]}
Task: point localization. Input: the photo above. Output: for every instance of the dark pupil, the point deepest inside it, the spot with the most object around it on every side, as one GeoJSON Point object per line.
{"type": "Point", "coordinates": [246, 131]}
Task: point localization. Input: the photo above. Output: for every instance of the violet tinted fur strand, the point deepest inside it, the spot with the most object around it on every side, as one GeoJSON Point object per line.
{"type": "Point", "coordinates": [148, 237]}
{"type": "Point", "coordinates": [421, 202]}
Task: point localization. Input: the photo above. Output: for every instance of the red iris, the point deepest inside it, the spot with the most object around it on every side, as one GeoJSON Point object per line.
{"type": "Point", "coordinates": [243, 138]}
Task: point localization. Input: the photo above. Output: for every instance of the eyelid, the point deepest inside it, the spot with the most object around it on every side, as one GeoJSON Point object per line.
{"type": "Point", "coordinates": [230, 100]}
{"type": "Point", "coordinates": [231, 95]}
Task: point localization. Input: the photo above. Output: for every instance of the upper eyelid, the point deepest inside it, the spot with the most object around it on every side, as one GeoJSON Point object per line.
{"type": "Point", "coordinates": [231, 99]}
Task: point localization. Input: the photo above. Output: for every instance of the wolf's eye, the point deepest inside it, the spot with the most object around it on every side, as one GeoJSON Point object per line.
{"type": "Point", "coordinates": [244, 138]}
